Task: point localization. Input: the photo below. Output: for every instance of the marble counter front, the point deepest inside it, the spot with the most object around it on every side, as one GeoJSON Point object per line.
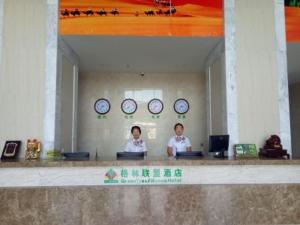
{"type": "Point", "coordinates": [211, 192]}
{"type": "Point", "coordinates": [158, 171]}
{"type": "Point", "coordinates": [149, 161]}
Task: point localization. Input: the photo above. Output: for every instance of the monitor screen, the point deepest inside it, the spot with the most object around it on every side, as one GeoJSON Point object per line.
{"type": "Point", "coordinates": [218, 143]}
{"type": "Point", "coordinates": [130, 155]}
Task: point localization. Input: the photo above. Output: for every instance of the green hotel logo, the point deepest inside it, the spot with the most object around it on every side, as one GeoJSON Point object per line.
{"type": "Point", "coordinates": [148, 176]}
{"type": "Point", "coordinates": [111, 177]}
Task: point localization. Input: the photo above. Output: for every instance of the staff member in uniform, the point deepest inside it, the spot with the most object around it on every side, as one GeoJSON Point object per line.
{"type": "Point", "coordinates": [136, 144]}
{"type": "Point", "coordinates": [178, 143]}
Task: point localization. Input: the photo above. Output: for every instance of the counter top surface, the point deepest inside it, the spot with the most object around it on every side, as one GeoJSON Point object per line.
{"type": "Point", "coordinates": [149, 161]}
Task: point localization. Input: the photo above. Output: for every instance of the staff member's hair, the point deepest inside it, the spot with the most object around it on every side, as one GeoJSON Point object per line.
{"type": "Point", "coordinates": [136, 128]}
{"type": "Point", "coordinates": [178, 124]}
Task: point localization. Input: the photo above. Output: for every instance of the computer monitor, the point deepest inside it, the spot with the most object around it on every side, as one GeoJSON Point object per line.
{"type": "Point", "coordinates": [130, 155]}
{"type": "Point", "coordinates": [189, 155]}
{"type": "Point", "coordinates": [76, 156]}
{"type": "Point", "coordinates": [219, 143]}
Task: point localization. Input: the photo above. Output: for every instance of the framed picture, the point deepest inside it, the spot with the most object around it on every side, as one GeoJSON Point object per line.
{"type": "Point", "coordinates": [245, 151]}
{"type": "Point", "coordinates": [11, 150]}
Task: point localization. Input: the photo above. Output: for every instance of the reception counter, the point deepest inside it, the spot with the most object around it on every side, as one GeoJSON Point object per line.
{"type": "Point", "coordinates": [152, 191]}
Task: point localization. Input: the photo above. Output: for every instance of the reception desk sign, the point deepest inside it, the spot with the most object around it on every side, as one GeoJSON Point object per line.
{"type": "Point", "coordinates": [153, 175]}
{"type": "Point", "coordinates": [144, 175]}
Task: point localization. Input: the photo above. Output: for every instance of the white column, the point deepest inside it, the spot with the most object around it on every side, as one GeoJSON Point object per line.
{"type": "Point", "coordinates": [51, 111]}
{"type": "Point", "coordinates": [283, 92]}
{"type": "Point", "coordinates": [234, 120]}
{"type": "Point", "coordinates": [230, 73]}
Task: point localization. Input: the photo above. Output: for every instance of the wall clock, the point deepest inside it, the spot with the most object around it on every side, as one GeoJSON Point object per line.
{"type": "Point", "coordinates": [102, 106]}
{"type": "Point", "coordinates": [155, 106]}
{"type": "Point", "coordinates": [181, 106]}
{"type": "Point", "coordinates": [129, 106]}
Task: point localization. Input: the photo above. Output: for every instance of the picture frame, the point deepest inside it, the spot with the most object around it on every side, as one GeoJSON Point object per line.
{"type": "Point", "coordinates": [11, 150]}
{"type": "Point", "coordinates": [245, 151]}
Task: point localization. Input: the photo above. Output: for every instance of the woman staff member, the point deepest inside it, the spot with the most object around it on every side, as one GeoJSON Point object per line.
{"type": "Point", "coordinates": [136, 144]}
{"type": "Point", "coordinates": [178, 143]}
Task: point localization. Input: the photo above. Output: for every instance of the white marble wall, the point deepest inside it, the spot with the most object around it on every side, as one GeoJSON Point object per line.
{"type": "Point", "coordinates": [68, 64]}
{"type": "Point", "coordinates": [256, 71]}
{"type": "Point", "coordinates": [51, 112]}
{"type": "Point", "coordinates": [216, 91]}
{"type": "Point", "coordinates": [111, 134]}
{"type": "Point", "coordinates": [22, 71]}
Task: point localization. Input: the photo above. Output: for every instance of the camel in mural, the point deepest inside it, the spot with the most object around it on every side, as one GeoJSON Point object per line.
{"type": "Point", "coordinates": [101, 12]}
{"type": "Point", "coordinates": [114, 12]}
{"type": "Point", "coordinates": [65, 13]}
{"type": "Point", "coordinates": [88, 12]}
{"type": "Point", "coordinates": [149, 13]}
{"type": "Point", "coordinates": [75, 12]}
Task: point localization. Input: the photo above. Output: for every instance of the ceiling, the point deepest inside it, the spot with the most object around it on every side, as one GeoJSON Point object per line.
{"type": "Point", "coordinates": [155, 54]}
{"type": "Point", "coordinates": [141, 54]}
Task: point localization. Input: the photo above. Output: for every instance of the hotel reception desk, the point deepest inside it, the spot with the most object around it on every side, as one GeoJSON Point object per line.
{"type": "Point", "coordinates": [152, 191]}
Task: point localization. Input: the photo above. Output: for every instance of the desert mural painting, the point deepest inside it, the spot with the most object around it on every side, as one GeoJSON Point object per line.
{"type": "Point", "coordinates": [292, 20]}
{"type": "Point", "coordinates": [142, 17]}
{"type": "Point", "coordinates": [191, 18]}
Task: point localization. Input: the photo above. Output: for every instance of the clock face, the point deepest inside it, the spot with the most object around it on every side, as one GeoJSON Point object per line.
{"type": "Point", "coordinates": [181, 106]}
{"type": "Point", "coordinates": [129, 106]}
{"type": "Point", "coordinates": [102, 106]}
{"type": "Point", "coordinates": [155, 106]}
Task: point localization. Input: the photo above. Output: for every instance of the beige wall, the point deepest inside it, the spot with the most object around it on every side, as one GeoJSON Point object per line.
{"type": "Point", "coordinates": [22, 74]}
{"type": "Point", "coordinates": [295, 117]}
{"type": "Point", "coordinates": [66, 104]}
{"type": "Point", "coordinates": [258, 114]}
{"type": "Point", "coordinates": [217, 95]}
{"type": "Point", "coordinates": [110, 135]}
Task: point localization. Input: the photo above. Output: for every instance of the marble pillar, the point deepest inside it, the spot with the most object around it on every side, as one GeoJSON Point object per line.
{"type": "Point", "coordinates": [230, 74]}
{"type": "Point", "coordinates": [256, 72]}
{"type": "Point", "coordinates": [51, 98]}
{"type": "Point", "coordinates": [283, 92]}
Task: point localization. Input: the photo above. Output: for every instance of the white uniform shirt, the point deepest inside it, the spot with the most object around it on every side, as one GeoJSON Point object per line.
{"type": "Point", "coordinates": [179, 144]}
{"type": "Point", "coordinates": [135, 146]}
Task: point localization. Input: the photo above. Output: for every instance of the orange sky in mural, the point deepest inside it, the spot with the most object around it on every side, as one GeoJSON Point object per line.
{"type": "Point", "coordinates": [292, 16]}
{"type": "Point", "coordinates": [192, 18]}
